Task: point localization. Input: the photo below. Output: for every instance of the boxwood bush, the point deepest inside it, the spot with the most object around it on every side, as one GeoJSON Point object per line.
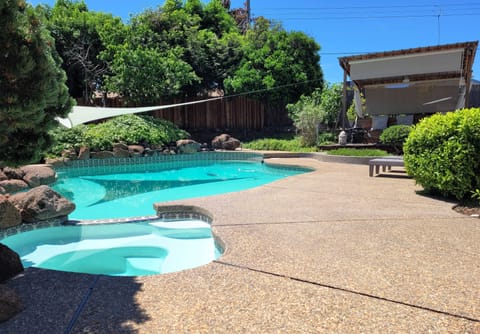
{"type": "Point", "coordinates": [396, 136]}
{"type": "Point", "coordinates": [442, 153]}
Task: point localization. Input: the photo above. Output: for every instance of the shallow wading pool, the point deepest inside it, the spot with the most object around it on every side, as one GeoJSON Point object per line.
{"type": "Point", "coordinates": [125, 249]}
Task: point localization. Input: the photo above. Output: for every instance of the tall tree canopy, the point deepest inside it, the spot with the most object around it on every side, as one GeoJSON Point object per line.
{"type": "Point", "coordinates": [184, 48]}
{"type": "Point", "coordinates": [80, 36]}
{"type": "Point", "coordinates": [277, 58]}
{"type": "Point", "coordinates": [33, 90]}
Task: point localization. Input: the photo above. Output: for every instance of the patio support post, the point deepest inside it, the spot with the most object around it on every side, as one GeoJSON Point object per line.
{"type": "Point", "coordinates": [344, 99]}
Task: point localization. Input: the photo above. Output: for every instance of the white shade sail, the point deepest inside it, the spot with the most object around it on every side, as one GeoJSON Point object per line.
{"type": "Point", "coordinates": [82, 114]}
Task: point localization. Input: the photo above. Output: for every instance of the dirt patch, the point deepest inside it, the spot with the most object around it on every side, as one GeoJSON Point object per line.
{"type": "Point", "coordinates": [470, 209]}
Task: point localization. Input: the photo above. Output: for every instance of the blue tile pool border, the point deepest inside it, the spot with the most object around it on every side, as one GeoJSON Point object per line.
{"type": "Point", "coordinates": [159, 161]}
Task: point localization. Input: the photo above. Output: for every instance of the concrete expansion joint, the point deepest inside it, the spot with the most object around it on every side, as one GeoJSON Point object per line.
{"type": "Point", "coordinates": [358, 293]}
{"type": "Point", "coordinates": [81, 306]}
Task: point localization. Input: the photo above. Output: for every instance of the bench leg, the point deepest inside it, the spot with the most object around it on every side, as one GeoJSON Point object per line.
{"type": "Point", "coordinates": [377, 169]}
{"type": "Point", "coordinates": [370, 170]}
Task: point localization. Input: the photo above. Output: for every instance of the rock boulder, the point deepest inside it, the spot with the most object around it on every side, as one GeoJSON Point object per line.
{"type": "Point", "coordinates": [188, 146]}
{"type": "Point", "coordinates": [83, 153]}
{"type": "Point", "coordinates": [136, 150]}
{"type": "Point", "coordinates": [10, 263]}
{"type": "Point", "coordinates": [37, 175]}
{"type": "Point", "coordinates": [101, 155]}
{"type": "Point", "coordinates": [225, 142]}
{"type": "Point", "coordinates": [13, 185]}
{"type": "Point", "coordinates": [41, 203]}
{"type": "Point", "coordinates": [9, 214]}
{"type": "Point", "coordinates": [13, 173]}
{"type": "Point", "coordinates": [10, 303]}
{"type": "Point", "coordinates": [120, 150]}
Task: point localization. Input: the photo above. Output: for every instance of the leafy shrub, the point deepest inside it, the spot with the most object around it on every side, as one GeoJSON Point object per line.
{"type": "Point", "coordinates": [353, 152]}
{"type": "Point", "coordinates": [325, 138]}
{"type": "Point", "coordinates": [66, 139]}
{"type": "Point", "coordinates": [132, 129]}
{"type": "Point", "coordinates": [273, 144]}
{"type": "Point", "coordinates": [442, 153]}
{"type": "Point", "coordinates": [321, 107]}
{"type": "Point", "coordinates": [476, 194]}
{"type": "Point", "coordinates": [396, 136]}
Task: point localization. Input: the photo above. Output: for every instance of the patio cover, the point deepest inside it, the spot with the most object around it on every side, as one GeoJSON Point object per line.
{"type": "Point", "coordinates": [410, 81]}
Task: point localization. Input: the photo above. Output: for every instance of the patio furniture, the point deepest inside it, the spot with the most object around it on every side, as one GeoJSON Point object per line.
{"type": "Point", "coordinates": [385, 163]}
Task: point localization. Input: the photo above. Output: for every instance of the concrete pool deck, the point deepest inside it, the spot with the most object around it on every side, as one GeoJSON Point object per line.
{"type": "Point", "coordinates": [331, 251]}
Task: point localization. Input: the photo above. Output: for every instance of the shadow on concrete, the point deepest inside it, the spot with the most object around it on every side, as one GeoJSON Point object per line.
{"type": "Point", "coordinates": [63, 302]}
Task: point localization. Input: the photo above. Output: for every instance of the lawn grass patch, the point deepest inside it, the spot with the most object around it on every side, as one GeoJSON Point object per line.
{"type": "Point", "coordinates": [275, 144]}
{"type": "Point", "coordinates": [354, 152]}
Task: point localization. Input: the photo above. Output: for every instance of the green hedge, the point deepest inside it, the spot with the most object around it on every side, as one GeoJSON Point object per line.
{"type": "Point", "coordinates": [396, 136]}
{"type": "Point", "coordinates": [442, 153]}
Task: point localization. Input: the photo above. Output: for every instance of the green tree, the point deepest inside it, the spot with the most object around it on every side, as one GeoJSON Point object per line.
{"type": "Point", "coordinates": [33, 91]}
{"type": "Point", "coordinates": [279, 65]}
{"type": "Point", "coordinates": [188, 49]}
{"type": "Point", "coordinates": [80, 36]}
{"type": "Point", "coordinates": [319, 108]}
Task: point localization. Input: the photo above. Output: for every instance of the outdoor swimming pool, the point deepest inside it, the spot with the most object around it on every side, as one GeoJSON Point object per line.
{"type": "Point", "coordinates": [126, 249]}
{"type": "Point", "coordinates": [117, 194]}
{"type": "Point", "coordinates": [105, 192]}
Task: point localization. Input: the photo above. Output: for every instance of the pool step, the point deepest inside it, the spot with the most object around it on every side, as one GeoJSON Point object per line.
{"type": "Point", "coordinates": [143, 265]}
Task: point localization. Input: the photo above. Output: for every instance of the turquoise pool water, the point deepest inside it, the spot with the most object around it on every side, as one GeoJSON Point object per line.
{"type": "Point", "coordinates": [128, 249]}
{"type": "Point", "coordinates": [122, 191]}
{"type": "Point", "coordinates": [132, 194]}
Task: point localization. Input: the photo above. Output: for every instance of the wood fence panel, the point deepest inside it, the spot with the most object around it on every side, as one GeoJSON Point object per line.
{"type": "Point", "coordinates": [237, 112]}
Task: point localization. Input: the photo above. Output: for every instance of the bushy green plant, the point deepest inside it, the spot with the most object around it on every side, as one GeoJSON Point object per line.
{"type": "Point", "coordinates": [130, 129]}
{"type": "Point", "coordinates": [353, 152]}
{"type": "Point", "coordinates": [325, 138]}
{"type": "Point", "coordinates": [274, 144]}
{"type": "Point", "coordinates": [442, 153]}
{"type": "Point", "coordinates": [476, 194]}
{"type": "Point", "coordinates": [66, 139]}
{"type": "Point", "coordinates": [396, 136]}
{"type": "Point", "coordinates": [321, 107]}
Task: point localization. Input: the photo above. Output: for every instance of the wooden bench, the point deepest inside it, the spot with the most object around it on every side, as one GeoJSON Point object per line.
{"type": "Point", "coordinates": [385, 163]}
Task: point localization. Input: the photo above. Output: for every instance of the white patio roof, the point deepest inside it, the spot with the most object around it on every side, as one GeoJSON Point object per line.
{"type": "Point", "coordinates": [420, 80]}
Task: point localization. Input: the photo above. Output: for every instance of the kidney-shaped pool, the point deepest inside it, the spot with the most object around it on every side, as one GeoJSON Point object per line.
{"type": "Point", "coordinates": [132, 194]}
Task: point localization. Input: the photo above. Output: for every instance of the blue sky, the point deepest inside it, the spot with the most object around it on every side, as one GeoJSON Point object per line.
{"type": "Point", "coordinates": [350, 27]}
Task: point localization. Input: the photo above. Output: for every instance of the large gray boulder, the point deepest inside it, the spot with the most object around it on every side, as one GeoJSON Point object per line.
{"type": "Point", "coordinates": [10, 263]}
{"type": "Point", "coordinates": [13, 185]}
{"type": "Point", "coordinates": [37, 175]}
{"type": "Point", "coordinates": [41, 203]}
{"type": "Point", "coordinates": [9, 214]}
{"type": "Point", "coordinates": [10, 303]}
{"type": "Point", "coordinates": [225, 142]}
{"type": "Point", "coordinates": [188, 146]}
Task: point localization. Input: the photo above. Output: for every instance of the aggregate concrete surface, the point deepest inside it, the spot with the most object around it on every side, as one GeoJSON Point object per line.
{"type": "Point", "coordinates": [330, 251]}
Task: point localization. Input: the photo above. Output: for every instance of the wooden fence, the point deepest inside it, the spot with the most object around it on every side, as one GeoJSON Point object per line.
{"type": "Point", "coordinates": [229, 113]}
{"type": "Point", "coordinates": [236, 113]}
